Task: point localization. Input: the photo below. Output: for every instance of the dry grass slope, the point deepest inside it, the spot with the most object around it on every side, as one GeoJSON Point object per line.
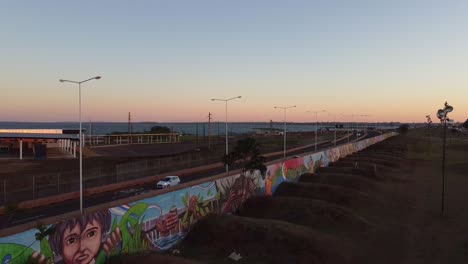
{"type": "Point", "coordinates": [385, 211]}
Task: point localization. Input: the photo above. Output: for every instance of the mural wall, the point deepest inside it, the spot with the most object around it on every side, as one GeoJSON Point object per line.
{"type": "Point", "coordinates": [159, 222]}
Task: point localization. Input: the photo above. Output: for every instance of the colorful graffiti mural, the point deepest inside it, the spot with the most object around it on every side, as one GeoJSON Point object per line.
{"type": "Point", "coordinates": [235, 190]}
{"type": "Point", "coordinates": [157, 223]}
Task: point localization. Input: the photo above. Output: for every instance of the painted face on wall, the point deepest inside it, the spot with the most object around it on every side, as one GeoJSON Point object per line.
{"type": "Point", "coordinates": [81, 246]}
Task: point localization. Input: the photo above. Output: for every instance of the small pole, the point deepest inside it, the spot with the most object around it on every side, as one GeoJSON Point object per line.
{"type": "Point", "coordinates": [34, 186]}
{"type": "Point", "coordinates": [130, 128]}
{"type": "Point", "coordinates": [209, 130]}
{"type": "Point", "coordinates": [204, 134]}
{"type": "Point", "coordinates": [90, 134]}
{"type": "Point", "coordinates": [227, 139]}
{"type": "Point", "coordinates": [58, 183]}
{"type": "Point", "coordinates": [349, 130]}
{"type": "Point", "coordinates": [74, 149]}
{"type": "Point", "coordinates": [284, 141]}
{"type": "Point", "coordinates": [21, 149]}
{"type": "Point", "coordinates": [197, 134]}
{"type": "Point", "coordinates": [4, 192]}
{"type": "Point", "coordinates": [316, 123]}
{"type": "Point", "coordinates": [335, 129]}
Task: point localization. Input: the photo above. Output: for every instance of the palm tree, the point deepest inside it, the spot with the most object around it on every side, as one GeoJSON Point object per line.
{"type": "Point", "coordinates": [247, 154]}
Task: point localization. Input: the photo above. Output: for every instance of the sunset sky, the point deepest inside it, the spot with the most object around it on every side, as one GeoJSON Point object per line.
{"type": "Point", "coordinates": [164, 60]}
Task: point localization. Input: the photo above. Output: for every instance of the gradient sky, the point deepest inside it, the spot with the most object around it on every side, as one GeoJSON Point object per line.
{"type": "Point", "coordinates": [163, 60]}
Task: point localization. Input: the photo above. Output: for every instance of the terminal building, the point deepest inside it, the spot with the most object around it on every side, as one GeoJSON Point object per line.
{"type": "Point", "coordinates": [59, 143]}
{"type": "Point", "coordinates": [36, 143]}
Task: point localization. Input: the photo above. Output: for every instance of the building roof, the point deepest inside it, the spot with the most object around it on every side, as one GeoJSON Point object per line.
{"type": "Point", "coordinates": [39, 133]}
{"type": "Point", "coordinates": [38, 136]}
{"type": "Point", "coordinates": [41, 130]}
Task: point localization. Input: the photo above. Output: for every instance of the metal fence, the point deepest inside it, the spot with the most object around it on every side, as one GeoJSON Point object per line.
{"type": "Point", "coordinates": [98, 140]}
{"type": "Point", "coordinates": [33, 186]}
{"type": "Point", "coordinates": [29, 187]}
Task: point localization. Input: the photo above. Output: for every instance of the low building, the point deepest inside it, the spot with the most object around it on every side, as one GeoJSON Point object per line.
{"type": "Point", "coordinates": [268, 131]}
{"type": "Point", "coordinates": [35, 142]}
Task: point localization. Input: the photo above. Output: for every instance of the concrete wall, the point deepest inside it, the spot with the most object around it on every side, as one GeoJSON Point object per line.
{"type": "Point", "coordinates": [157, 223]}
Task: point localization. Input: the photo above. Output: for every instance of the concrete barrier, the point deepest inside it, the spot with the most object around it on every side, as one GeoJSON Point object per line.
{"type": "Point", "coordinates": [157, 220]}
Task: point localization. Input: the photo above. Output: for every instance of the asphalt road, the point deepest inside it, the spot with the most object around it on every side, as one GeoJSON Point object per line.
{"type": "Point", "coordinates": [35, 214]}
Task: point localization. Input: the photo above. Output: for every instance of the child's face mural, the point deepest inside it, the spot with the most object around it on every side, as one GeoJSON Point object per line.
{"type": "Point", "coordinates": [81, 246]}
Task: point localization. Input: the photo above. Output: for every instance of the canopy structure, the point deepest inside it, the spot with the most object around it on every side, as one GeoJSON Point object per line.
{"type": "Point", "coordinates": [19, 140]}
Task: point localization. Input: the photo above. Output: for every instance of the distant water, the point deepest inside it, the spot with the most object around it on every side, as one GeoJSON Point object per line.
{"type": "Point", "coordinates": [217, 128]}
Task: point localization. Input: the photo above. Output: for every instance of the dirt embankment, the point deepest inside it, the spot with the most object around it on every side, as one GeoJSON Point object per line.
{"type": "Point", "coordinates": [389, 213]}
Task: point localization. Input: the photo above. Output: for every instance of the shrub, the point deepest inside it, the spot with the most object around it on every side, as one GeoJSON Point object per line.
{"type": "Point", "coordinates": [403, 129]}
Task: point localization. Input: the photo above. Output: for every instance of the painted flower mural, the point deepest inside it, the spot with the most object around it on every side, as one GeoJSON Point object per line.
{"type": "Point", "coordinates": [241, 190]}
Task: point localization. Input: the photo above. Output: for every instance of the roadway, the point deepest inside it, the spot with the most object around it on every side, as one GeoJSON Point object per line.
{"type": "Point", "coordinates": [34, 214]}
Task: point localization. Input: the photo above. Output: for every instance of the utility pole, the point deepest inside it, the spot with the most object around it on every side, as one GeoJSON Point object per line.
{"type": "Point", "coordinates": [197, 134]}
{"type": "Point", "coordinates": [204, 134]}
{"type": "Point", "coordinates": [209, 130]}
{"type": "Point", "coordinates": [130, 127]}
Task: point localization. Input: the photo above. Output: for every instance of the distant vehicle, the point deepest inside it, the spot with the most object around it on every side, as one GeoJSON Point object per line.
{"type": "Point", "coordinates": [168, 181]}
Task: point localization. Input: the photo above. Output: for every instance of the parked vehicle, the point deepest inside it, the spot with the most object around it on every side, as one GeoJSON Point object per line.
{"type": "Point", "coordinates": [168, 181]}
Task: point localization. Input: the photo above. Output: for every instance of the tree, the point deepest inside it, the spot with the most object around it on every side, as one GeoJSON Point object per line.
{"type": "Point", "coordinates": [465, 125]}
{"type": "Point", "coordinates": [160, 130]}
{"type": "Point", "coordinates": [403, 129]}
{"type": "Point", "coordinates": [247, 154]}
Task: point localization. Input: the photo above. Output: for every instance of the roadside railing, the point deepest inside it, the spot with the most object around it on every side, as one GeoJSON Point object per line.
{"type": "Point", "coordinates": [29, 187]}
{"type": "Point", "coordinates": [14, 190]}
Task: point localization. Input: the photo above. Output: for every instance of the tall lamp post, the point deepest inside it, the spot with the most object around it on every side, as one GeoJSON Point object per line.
{"type": "Point", "coordinates": [316, 123]}
{"type": "Point", "coordinates": [357, 126]}
{"type": "Point", "coordinates": [334, 120]}
{"type": "Point", "coordinates": [80, 134]}
{"type": "Point", "coordinates": [284, 133]}
{"type": "Point", "coordinates": [366, 120]}
{"type": "Point", "coordinates": [346, 124]}
{"type": "Point", "coordinates": [442, 115]}
{"type": "Point", "coordinates": [226, 101]}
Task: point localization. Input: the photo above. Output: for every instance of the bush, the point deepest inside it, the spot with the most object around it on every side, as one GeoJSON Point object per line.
{"type": "Point", "coordinates": [465, 125]}
{"type": "Point", "coordinates": [160, 130]}
{"type": "Point", "coordinates": [403, 129]}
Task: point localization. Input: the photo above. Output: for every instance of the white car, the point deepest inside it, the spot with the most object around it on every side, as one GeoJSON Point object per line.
{"type": "Point", "coordinates": [168, 181]}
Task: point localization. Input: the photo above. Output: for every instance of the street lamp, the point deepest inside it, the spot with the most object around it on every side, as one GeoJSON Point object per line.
{"type": "Point", "coordinates": [334, 120]}
{"type": "Point", "coordinates": [316, 122]}
{"type": "Point", "coordinates": [349, 126]}
{"type": "Point", "coordinates": [284, 141]}
{"type": "Point", "coordinates": [357, 126]}
{"type": "Point", "coordinates": [366, 120]}
{"type": "Point", "coordinates": [227, 100]}
{"type": "Point", "coordinates": [81, 137]}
